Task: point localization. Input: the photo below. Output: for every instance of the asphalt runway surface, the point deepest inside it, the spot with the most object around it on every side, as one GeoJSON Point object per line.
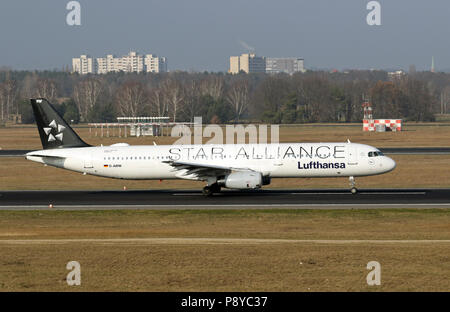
{"type": "Point", "coordinates": [387, 150]}
{"type": "Point", "coordinates": [193, 199]}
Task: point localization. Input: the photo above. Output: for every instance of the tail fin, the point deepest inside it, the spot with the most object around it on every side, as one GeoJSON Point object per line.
{"type": "Point", "coordinates": [53, 129]}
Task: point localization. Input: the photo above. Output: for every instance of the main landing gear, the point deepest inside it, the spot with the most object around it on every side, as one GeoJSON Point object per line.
{"type": "Point", "coordinates": [352, 181]}
{"type": "Point", "coordinates": [211, 189]}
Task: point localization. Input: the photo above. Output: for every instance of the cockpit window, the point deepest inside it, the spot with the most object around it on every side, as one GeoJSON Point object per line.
{"type": "Point", "coordinates": [375, 154]}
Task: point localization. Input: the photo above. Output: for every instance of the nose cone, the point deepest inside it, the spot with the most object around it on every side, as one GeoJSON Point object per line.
{"type": "Point", "coordinates": [390, 164]}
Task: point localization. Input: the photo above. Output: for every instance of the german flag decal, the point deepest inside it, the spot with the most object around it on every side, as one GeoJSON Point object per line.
{"type": "Point", "coordinates": [106, 166]}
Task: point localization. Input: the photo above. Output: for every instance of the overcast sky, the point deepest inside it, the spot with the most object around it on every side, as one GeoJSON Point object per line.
{"type": "Point", "coordinates": [202, 34]}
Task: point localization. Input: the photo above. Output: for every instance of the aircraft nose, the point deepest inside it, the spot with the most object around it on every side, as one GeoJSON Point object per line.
{"type": "Point", "coordinates": [390, 164]}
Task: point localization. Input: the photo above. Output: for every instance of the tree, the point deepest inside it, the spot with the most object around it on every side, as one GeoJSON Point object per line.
{"type": "Point", "coordinates": [212, 86]}
{"type": "Point", "coordinates": [173, 96]}
{"type": "Point", "coordinates": [191, 100]}
{"type": "Point", "coordinates": [131, 99]}
{"type": "Point", "coordinates": [71, 113]}
{"type": "Point", "coordinates": [46, 88]}
{"type": "Point", "coordinates": [158, 105]}
{"type": "Point", "coordinates": [86, 93]}
{"type": "Point", "coordinates": [238, 97]}
{"type": "Point", "coordinates": [8, 94]}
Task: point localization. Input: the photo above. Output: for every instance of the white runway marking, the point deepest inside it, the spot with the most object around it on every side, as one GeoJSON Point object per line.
{"type": "Point", "coordinates": [364, 193]}
{"type": "Point", "coordinates": [213, 241]}
{"type": "Point", "coordinates": [231, 206]}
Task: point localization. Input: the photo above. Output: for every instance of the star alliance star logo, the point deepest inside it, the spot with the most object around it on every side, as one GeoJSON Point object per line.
{"type": "Point", "coordinates": [58, 128]}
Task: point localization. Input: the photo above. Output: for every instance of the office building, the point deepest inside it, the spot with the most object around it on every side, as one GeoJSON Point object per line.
{"type": "Point", "coordinates": [248, 63]}
{"type": "Point", "coordinates": [288, 65]}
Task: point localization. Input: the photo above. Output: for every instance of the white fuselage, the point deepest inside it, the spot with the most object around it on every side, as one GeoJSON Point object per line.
{"type": "Point", "coordinates": [284, 160]}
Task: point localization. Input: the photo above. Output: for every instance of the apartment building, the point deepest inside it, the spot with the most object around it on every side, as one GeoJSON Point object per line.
{"type": "Point", "coordinates": [83, 65]}
{"type": "Point", "coordinates": [132, 62]}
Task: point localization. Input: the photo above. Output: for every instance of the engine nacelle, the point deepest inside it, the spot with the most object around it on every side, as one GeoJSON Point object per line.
{"type": "Point", "coordinates": [243, 180]}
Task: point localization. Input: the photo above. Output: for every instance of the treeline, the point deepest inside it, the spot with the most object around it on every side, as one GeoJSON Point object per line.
{"type": "Point", "coordinates": [222, 98]}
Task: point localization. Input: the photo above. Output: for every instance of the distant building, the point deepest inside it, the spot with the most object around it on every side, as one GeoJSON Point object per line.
{"type": "Point", "coordinates": [247, 62]}
{"type": "Point", "coordinates": [396, 74]}
{"type": "Point", "coordinates": [132, 62]}
{"type": "Point", "coordinates": [288, 65]}
{"type": "Point", "coordinates": [250, 63]}
{"type": "Point", "coordinates": [108, 64]}
{"type": "Point", "coordinates": [83, 65]}
{"type": "Point", "coordinates": [154, 64]}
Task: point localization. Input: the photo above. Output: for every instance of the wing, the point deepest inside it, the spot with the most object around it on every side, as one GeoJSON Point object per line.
{"type": "Point", "coordinates": [199, 171]}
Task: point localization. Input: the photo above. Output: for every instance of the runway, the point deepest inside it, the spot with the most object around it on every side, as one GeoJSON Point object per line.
{"type": "Point", "coordinates": [192, 199]}
{"type": "Point", "coordinates": [386, 150]}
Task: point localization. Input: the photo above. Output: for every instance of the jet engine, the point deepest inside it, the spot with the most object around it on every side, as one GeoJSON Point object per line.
{"type": "Point", "coordinates": [242, 180]}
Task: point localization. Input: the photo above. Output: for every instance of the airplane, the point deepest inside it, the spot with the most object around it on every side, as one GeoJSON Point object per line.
{"type": "Point", "coordinates": [232, 166]}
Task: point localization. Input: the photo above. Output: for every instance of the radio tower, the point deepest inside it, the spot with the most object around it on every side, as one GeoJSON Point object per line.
{"type": "Point", "coordinates": [432, 64]}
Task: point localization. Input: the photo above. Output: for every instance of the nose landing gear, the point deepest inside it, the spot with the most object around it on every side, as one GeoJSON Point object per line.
{"type": "Point", "coordinates": [352, 181]}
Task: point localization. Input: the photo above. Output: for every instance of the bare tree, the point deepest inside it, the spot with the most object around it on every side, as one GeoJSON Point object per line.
{"type": "Point", "coordinates": [191, 103]}
{"type": "Point", "coordinates": [28, 89]}
{"type": "Point", "coordinates": [445, 100]}
{"type": "Point", "coordinates": [173, 95]}
{"type": "Point", "coordinates": [238, 97]}
{"type": "Point", "coordinates": [131, 99]}
{"type": "Point", "coordinates": [157, 103]}
{"type": "Point", "coordinates": [85, 94]}
{"type": "Point", "coordinates": [8, 94]}
{"type": "Point", "coordinates": [212, 86]}
{"type": "Point", "coordinates": [45, 88]}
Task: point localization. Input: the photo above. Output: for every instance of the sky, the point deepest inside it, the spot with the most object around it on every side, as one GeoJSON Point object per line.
{"type": "Point", "coordinates": [201, 35]}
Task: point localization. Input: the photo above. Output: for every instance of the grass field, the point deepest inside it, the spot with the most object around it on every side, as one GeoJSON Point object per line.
{"type": "Point", "coordinates": [412, 135]}
{"type": "Point", "coordinates": [223, 250]}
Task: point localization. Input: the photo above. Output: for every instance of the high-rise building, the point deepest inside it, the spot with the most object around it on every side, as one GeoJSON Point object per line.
{"type": "Point", "coordinates": [247, 62]}
{"type": "Point", "coordinates": [83, 65]}
{"type": "Point", "coordinates": [132, 62]}
{"type": "Point", "coordinates": [154, 64]}
{"type": "Point", "coordinates": [288, 65]}
{"type": "Point", "coordinates": [250, 63]}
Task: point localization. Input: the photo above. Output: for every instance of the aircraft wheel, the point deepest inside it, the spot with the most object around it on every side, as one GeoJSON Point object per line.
{"type": "Point", "coordinates": [207, 191]}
